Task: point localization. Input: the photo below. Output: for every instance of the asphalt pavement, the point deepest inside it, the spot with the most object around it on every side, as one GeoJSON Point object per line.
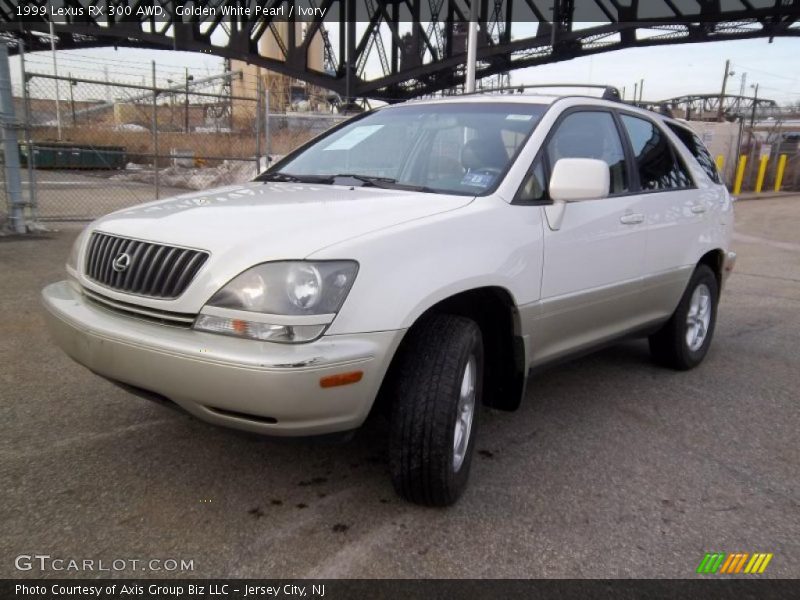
{"type": "Point", "coordinates": [613, 467]}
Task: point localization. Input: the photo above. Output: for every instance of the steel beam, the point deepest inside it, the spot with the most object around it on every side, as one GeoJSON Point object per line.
{"type": "Point", "coordinates": [374, 60]}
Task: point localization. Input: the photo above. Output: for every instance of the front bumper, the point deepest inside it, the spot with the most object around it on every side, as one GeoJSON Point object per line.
{"type": "Point", "coordinates": [257, 386]}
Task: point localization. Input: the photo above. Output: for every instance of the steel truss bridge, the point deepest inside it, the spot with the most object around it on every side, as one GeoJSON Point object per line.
{"type": "Point", "coordinates": [398, 49]}
{"type": "Point", "coordinates": [707, 105]}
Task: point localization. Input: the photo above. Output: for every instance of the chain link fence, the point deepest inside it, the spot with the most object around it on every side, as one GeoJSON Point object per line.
{"type": "Point", "coordinates": [97, 146]}
{"type": "Point", "coordinates": [771, 140]}
{"type": "Point", "coordinates": [89, 146]}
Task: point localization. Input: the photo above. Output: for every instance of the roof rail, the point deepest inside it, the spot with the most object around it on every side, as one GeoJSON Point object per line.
{"type": "Point", "coordinates": [609, 92]}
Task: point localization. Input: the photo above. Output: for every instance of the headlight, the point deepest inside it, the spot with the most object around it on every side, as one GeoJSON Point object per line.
{"type": "Point", "coordinates": [292, 301]}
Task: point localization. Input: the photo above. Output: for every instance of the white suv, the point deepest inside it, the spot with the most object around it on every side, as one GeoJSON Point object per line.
{"type": "Point", "coordinates": [425, 255]}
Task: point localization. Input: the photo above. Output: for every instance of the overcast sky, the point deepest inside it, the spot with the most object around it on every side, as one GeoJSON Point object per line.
{"type": "Point", "coordinates": [668, 71]}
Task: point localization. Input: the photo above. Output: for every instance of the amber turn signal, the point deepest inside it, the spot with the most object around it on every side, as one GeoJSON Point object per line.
{"type": "Point", "coordinates": [341, 379]}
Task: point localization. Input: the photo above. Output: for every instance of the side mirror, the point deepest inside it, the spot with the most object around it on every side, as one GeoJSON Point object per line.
{"type": "Point", "coordinates": [576, 179]}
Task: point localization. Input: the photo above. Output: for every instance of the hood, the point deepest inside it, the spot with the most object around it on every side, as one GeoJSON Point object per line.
{"type": "Point", "coordinates": [244, 225]}
{"type": "Point", "coordinates": [273, 220]}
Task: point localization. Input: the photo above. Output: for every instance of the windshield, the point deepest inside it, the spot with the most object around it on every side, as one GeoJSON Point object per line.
{"type": "Point", "coordinates": [461, 148]}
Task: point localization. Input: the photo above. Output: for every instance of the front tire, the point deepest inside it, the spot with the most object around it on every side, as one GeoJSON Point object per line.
{"type": "Point", "coordinates": [436, 399]}
{"type": "Point", "coordinates": [684, 340]}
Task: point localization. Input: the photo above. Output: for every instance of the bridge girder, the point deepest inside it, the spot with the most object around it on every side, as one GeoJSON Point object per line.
{"type": "Point", "coordinates": [425, 38]}
{"type": "Point", "coordinates": [699, 105]}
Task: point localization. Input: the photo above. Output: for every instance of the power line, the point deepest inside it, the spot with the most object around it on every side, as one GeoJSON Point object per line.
{"type": "Point", "coordinates": [766, 72]}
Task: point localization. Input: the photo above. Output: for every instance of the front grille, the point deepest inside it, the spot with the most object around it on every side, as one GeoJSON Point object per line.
{"type": "Point", "coordinates": [153, 270]}
{"type": "Point", "coordinates": [144, 313]}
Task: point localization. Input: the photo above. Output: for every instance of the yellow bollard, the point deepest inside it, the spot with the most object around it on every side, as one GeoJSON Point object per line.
{"type": "Point", "coordinates": [720, 162]}
{"type": "Point", "coordinates": [779, 174]}
{"type": "Point", "coordinates": [737, 187]}
{"type": "Point", "coordinates": [762, 171]}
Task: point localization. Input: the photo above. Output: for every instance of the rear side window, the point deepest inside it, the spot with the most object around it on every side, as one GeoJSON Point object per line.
{"type": "Point", "coordinates": [698, 150]}
{"type": "Point", "coordinates": [659, 168]}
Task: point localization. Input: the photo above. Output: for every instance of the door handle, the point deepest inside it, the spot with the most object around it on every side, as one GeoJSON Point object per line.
{"type": "Point", "coordinates": [698, 209]}
{"type": "Point", "coordinates": [631, 219]}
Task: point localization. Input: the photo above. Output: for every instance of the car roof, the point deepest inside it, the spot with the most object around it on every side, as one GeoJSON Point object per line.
{"type": "Point", "coordinates": [528, 97]}
{"type": "Point", "coordinates": [489, 98]}
{"type": "Point", "coordinates": [535, 98]}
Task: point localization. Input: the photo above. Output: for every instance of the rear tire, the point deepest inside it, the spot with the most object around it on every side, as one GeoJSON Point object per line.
{"type": "Point", "coordinates": [436, 400]}
{"type": "Point", "coordinates": [684, 340]}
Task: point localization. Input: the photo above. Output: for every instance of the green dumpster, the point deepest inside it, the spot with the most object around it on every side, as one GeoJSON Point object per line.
{"type": "Point", "coordinates": [55, 155]}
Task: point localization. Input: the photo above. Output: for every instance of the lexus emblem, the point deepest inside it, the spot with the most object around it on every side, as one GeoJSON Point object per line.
{"type": "Point", "coordinates": [121, 263]}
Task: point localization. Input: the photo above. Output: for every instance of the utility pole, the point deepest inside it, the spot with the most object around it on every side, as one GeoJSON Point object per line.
{"type": "Point", "coordinates": [186, 102]}
{"type": "Point", "coordinates": [635, 91]}
{"type": "Point", "coordinates": [721, 108]}
{"type": "Point", "coordinates": [350, 47]}
{"type": "Point", "coordinates": [55, 72]}
{"type": "Point", "coordinates": [472, 46]}
{"type": "Point", "coordinates": [155, 134]}
{"type": "Point", "coordinates": [72, 84]}
{"type": "Point", "coordinates": [259, 100]}
{"type": "Point", "coordinates": [752, 116]}
{"type": "Point", "coordinates": [641, 90]}
{"type": "Point", "coordinates": [11, 146]}
{"type": "Point", "coordinates": [267, 131]}
{"type": "Point", "coordinates": [230, 92]}
{"type": "Point", "coordinates": [26, 111]}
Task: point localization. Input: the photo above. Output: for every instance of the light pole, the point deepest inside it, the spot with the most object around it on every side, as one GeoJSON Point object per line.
{"type": "Point", "coordinates": [752, 115]}
{"type": "Point", "coordinates": [186, 102]}
{"type": "Point", "coordinates": [472, 46]}
{"type": "Point", "coordinates": [55, 72]}
{"type": "Point", "coordinates": [728, 72]}
{"type": "Point", "coordinates": [72, 84]}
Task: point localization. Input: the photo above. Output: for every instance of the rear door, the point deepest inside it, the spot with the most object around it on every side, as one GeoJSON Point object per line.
{"type": "Point", "coordinates": [674, 211]}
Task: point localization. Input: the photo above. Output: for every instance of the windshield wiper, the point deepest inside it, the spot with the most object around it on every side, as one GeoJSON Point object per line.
{"type": "Point", "coordinates": [366, 179]}
{"type": "Point", "coordinates": [387, 183]}
{"type": "Point", "coordinates": [290, 178]}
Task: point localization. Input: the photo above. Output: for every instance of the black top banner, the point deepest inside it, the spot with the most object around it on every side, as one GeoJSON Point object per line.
{"type": "Point", "coordinates": [424, 11]}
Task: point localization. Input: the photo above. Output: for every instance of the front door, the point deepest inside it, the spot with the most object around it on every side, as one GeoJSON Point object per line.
{"type": "Point", "coordinates": [593, 258]}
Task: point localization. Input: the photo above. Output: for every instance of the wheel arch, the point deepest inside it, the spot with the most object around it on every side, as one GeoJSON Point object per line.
{"type": "Point", "coordinates": [495, 312]}
{"type": "Point", "coordinates": [714, 259]}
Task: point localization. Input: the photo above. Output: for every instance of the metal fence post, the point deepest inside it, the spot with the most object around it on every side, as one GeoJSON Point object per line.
{"type": "Point", "coordinates": [26, 111]}
{"type": "Point", "coordinates": [10, 146]}
{"type": "Point", "coordinates": [258, 121]}
{"type": "Point", "coordinates": [55, 72]}
{"type": "Point", "coordinates": [186, 104]}
{"type": "Point", "coordinates": [155, 133]}
{"type": "Point", "coordinates": [267, 138]}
